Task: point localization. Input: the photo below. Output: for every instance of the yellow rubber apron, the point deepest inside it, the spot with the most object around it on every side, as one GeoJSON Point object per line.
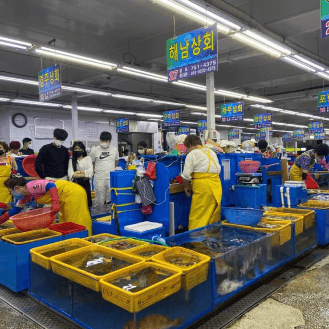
{"type": "Point", "coordinates": [5, 171]}
{"type": "Point", "coordinates": [73, 203]}
{"type": "Point", "coordinates": [296, 172]}
{"type": "Point", "coordinates": [207, 196]}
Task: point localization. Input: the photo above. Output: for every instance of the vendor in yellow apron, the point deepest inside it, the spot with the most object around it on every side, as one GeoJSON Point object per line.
{"type": "Point", "coordinates": [5, 172]}
{"type": "Point", "coordinates": [207, 196]}
{"type": "Point", "coordinates": [296, 172]}
{"type": "Point", "coordinates": [72, 206]}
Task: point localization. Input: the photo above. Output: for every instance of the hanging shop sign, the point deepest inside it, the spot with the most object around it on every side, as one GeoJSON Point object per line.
{"type": "Point", "coordinates": [202, 125]}
{"type": "Point", "coordinates": [171, 118]}
{"type": "Point", "coordinates": [50, 83]}
{"type": "Point", "coordinates": [260, 135]}
{"type": "Point", "coordinates": [122, 125]}
{"type": "Point", "coordinates": [321, 135]}
{"type": "Point", "coordinates": [315, 127]}
{"type": "Point", "coordinates": [193, 53]}
{"type": "Point", "coordinates": [323, 101]}
{"type": "Point", "coordinates": [286, 137]}
{"type": "Point", "coordinates": [245, 138]}
{"type": "Point", "coordinates": [263, 130]}
{"type": "Point", "coordinates": [233, 134]}
{"type": "Point", "coordinates": [298, 134]}
{"type": "Point", "coordinates": [324, 18]}
{"type": "Point", "coordinates": [183, 130]}
{"type": "Point", "coordinates": [263, 120]}
{"type": "Point", "coordinates": [232, 112]}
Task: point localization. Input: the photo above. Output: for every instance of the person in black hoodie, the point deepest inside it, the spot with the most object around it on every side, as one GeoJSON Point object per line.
{"type": "Point", "coordinates": [53, 159]}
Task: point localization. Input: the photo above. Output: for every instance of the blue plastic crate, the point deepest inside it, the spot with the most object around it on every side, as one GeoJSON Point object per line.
{"type": "Point", "coordinates": [298, 195]}
{"type": "Point", "coordinates": [245, 196]}
{"type": "Point", "coordinates": [243, 216]}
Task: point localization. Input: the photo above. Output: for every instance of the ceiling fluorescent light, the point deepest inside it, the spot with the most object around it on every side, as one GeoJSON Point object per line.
{"type": "Point", "coordinates": [2, 99]}
{"type": "Point", "coordinates": [132, 97]}
{"type": "Point", "coordinates": [167, 103]}
{"type": "Point", "coordinates": [258, 99]}
{"type": "Point", "coordinates": [28, 82]}
{"type": "Point", "coordinates": [323, 75]}
{"type": "Point", "coordinates": [91, 109]}
{"type": "Point", "coordinates": [229, 93]}
{"type": "Point", "coordinates": [85, 91]}
{"type": "Point", "coordinates": [75, 58]}
{"type": "Point", "coordinates": [190, 85]}
{"type": "Point", "coordinates": [143, 74]}
{"type": "Point", "coordinates": [23, 101]}
{"type": "Point", "coordinates": [308, 62]}
{"type": "Point", "coordinates": [204, 114]}
{"type": "Point", "coordinates": [258, 45]}
{"type": "Point", "coordinates": [268, 42]}
{"type": "Point", "coordinates": [26, 44]}
{"type": "Point", "coordinates": [12, 45]}
{"type": "Point", "coordinates": [156, 120]}
{"type": "Point", "coordinates": [212, 15]}
{"type": "Point", "coordinates": [191, 13]}
{"type": "Point", "coordinates": [299, 64]}
{"type": "Point", "coordinates": [189, 122]}
{"type": "Point", "coordinates": [250, 120]}
{"type": "Point", "coordinates": [119, 112]}
{"type": "Point", "coordinates": [202, 108]}
{"type": "Point", "coordinates": [149, 115]}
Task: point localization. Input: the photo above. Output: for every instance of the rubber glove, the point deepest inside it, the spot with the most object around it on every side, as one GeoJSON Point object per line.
{"type": "Point", "coordinates": [3, 205]}
{"type": "Point", "coordinates": [304, 176]}
{"type": "Point", "coordinates": [55, 206]}
{"type": "Point", "coordinates": [13, 171]}
{"type": "Point", "coordinates": [4, 218]}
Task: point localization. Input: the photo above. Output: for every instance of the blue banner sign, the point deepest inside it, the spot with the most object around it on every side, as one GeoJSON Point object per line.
{"type": "Point", "coordinates": [183, 131]}
{"type": "Point", "coordinates": [232, 112]}
{"type": "Point", "coordinates": [50, 83]}
{"type": "Point", "coordinates": [315, 127]}
{"type": "Point", "coordinates": [233, 134]}
{"type": "Point", "coordinates": [202, 125]}
{"type": "Point", "coordinates": [245, 138]}
{"type": "Point", "coordinates": [122, 125]}
{"type": "Point", "coordinates": [286, 137]}
{"type": "Point", "coordinates": [171, 118]}
{"type": "Point", "coordinates": [193, 53]}
{"type": "Point", "coordinates": [320, 135]}
{"type": "Point", "coordinates": [263, 120]}
{"type": "Point", "coordinates": [323, 101]}
{"type": "Point", "coordinates": [260, 135]}
{"type": "Point", "coordinates": [299, 133]}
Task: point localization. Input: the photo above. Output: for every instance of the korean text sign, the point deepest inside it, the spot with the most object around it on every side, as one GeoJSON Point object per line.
{"type": "Point", "coordinates": [245, 137]}
{"type": "Point", "coordinates": [325, 18]}
{"type": "Point", "coordinates": [260, 135]}
{"type": "Point", "coordinates": [193, 53]}
{"type": "Point", "coordinates": [299, 133]}
{"type": "Point", "coordinates": [315, 127]}
{"type": "Point", "coordinates": [232, 112]}
{"type": "Point", "coordinates": [202, 125]}
{"type": "Point", "coordinates": [263, 130]}
{"type": "Point", "coordinates": [50, 83]}
{"type": "Point", "coordinates": [233, 134]}
{"type": "Point", "coordinates": [183, 130]}
{"type": "Point", "coordinates": [286, 137]}
{"type": "Point", "coordinates": [320, 135]}
{"type": "Point", "coordinates": [122, 125]}
{"type": "Point", "coordinates": [263, 120]}
{"type": "Point", "coordinates": [323, 101]}
{"type": "Point", "coordinates": [171, 118]}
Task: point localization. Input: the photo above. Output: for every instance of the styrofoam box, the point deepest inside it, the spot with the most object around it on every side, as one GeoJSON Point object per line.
{"type": "Point", "coordinates": [143, 227]}
{"type": "Point", "coordinates": [295, 184]}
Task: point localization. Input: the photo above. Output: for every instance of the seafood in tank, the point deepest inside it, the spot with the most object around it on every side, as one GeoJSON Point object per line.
{"type": "Point", "coordinates": [227, 286]}
{"type": "Point", "coordinates": [122, 245]}
{"type": "Point", "coordinates": [155, 321]}
{"type": "Point", "coordinates": [182, 260]}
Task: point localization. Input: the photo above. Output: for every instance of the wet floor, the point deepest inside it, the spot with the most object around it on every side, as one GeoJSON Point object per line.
{"type": "Point", "coordinates": [12, 319]}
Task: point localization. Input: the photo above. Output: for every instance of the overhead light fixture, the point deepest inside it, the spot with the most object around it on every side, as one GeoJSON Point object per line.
{"type": "Point", "coordinates": [250, 120]}
{"type": "Point", "coordinates": [268, 42]}
{"type": "Point", "coordinates": [25, 81]}
{"type": "Point", "coordinates": [17, 42]}
{"type": "Point", "coordinates": [142, 74]}
{"type": "Point", "coordinates": [2, 99]}
{"type": "Point", "coordinates": [119, 112]}
{"type": "Point", "coordinates": [206, 12]}
{"type": "Point", "coordinates": [142, 99]}
{"type": "Point", "coordinates": [204, 114]}
{"type": "Point", "coordinates": [193, 14]}
{"type": "Point", "coordinates": [12, 45]}
{"type": "Point", "coordinates": [91, 109]}
{"type": "Point", "coordinates": [149, 115]}
{"type": "Point", "coordinates": [288, 124]}
{"type": "Point", "coordinates": [24, 101]}
{"type": "Point", "coordinates": [258, 99]}
{"type": "Point", "coordinates": [299, 64]}
{"type": "Point", "coordinates": [310, 63]}
{"type": "Point", "coordinates": [57, 54]}
{"type": "Point", "coordinates": [323, 75]}
{"type": "Point", "coordinates": [190, 85]}
{"type": "Point", "coordinates": [189, 122]}
{"type": "Point", "coordinates": [256, 44]}
{"type": "Point", "coordinates": [159, 120]}
{"type": "Point", "coordinates": [85, 91]}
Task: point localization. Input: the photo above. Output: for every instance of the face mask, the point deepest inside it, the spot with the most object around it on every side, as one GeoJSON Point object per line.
{"type": "Point", "coordinates": [1, 152]}
{"type": "Point", "coordinates": [57, 142]}
{"type": "Point", "coordinates": [78, 153]}
{"type": "Point", "coordinates": [141, 152]}
{"type": "Point", "coordinates": [104, 145]}
{"type": "Point", "coordinates": [30, 145]}
{"type": "Point", "coordinates": [18, 196]}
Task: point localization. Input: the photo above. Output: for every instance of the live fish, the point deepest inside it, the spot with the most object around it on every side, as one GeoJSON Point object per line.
{"type": "Point", "coordinates": [222, 267]}
{"type": "Point", "coordinates": [155, 321]}
{"type": "Point", "coordinates": [228, 286]}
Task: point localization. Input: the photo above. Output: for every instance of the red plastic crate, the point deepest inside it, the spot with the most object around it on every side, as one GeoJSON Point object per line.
{"type": "Point", "coordinates": [67, 228]}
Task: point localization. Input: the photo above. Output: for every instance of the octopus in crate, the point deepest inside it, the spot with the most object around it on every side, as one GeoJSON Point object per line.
{"type": "Point", "coordinates": [155, 321]}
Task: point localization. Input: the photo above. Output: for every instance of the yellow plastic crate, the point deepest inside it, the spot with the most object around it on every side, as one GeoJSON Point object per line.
{"type": "Point", "coordinates": [137, 301]}
{"type": "Point", "coordinates": [31, 236]}
{"type": "Point", "coordinates": [299, 220]}
{"type": "Point", "coordinates": [192, 275]}
{"type": "Point", "coordinates": [281, 235]}
{"type": "Point", "coordinates": [315, 204]}
{"type": "Point", "coordinates": [85, 278]}
{"type": "Point", "coordinates": [112, 244]}
{"type": "Point", "coordinates": [308, 215]}
{"type": "Point", "coordinates": [38, 254]}
{"type": "Point", "coordinates": [9, 231]}
{"type": "Point", "coordinates": [103, 235]}
{"type": "Point", "coordinates": [150, 249]}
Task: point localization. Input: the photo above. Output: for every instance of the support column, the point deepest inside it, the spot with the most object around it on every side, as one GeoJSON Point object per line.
{"type": "Point", "coordinates": [211, 123]}
{"type": "Point", "coordinates": [267, 136]}
{"type": "Point", "coordinates": [295, 146]}
{"type": "Point", "coordinates": [75, 124]}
